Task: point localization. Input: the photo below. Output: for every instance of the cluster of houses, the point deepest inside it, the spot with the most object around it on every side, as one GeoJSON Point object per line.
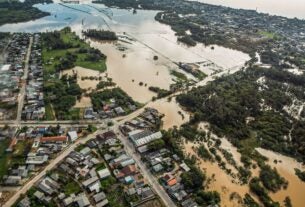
{"type": "Point", "coordinates": [42, 147]}
{"type": "Point", "coordinates": [34, 108]}
{"type": "Point", "coordinates": [80, 168]}
{"type": "Point", "coordinates": [11, 73]}
{"type": "Point", "coordinates": [166, 166]}
{"type": "Point", "coordinates": [88, 167]}
{"type": "Point", "coordinates": [124, 169]}
{"type": "Point", "coordinates": [141, 130]}
{"type": "Point", "coordinates": [109, 110]}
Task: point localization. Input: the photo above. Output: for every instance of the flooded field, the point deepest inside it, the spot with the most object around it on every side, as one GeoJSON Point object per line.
{"type": "Point", "coordinates": [83, 77]}
{"type": "Point", "coordinates": [173, 113]}
{"type": "Point", "coordinates": [137, 66]}
{"type": "Point", "coordinates": [149, 38]}
{"type": "Point", "coordinates": [285, 166]}
{"type": "Point", "coordinates": [221, 182]}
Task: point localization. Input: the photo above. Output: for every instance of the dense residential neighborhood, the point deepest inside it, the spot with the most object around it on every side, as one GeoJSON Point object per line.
{"type": "Point", "coordinates": [11, 74]}
{"type": "Point", "coordinates": [34, 107]}
{"type": "Point", "coordinates": [97, 173]}
{"type": "Point", "coordinates": [152, 103]}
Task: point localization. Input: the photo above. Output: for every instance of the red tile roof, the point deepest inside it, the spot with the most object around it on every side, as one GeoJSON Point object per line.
{"type": "Point", "coordinates": [54, 139]}
{"type": "Point", "coordinates": [172, 182]}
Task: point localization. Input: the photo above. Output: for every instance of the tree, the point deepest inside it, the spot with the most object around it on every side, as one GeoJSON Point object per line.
{"type": "Point", "coordinates": [207, 198]}
{"type": "Point", "coordinates": [156, 144]}
{"type": "Point", "coordinates": [194, 179]}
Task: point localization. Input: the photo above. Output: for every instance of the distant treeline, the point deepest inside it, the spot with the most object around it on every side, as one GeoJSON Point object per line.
{"type": "Point", "coordinates": [15, 11]}
{"type": "Point", "coordinates": [100, 34]}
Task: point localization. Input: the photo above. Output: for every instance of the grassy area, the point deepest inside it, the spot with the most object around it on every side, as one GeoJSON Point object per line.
{"type": "Point", "coordinates": [80, 147]}
{"type": "Point", "coordinates": [49, 112]}
{"type": "Point", "coordinates": [71, 187]}
{"type": "Point", "coordinates": [115, 196]}
{"type": "Point", "coordinates": [270, 35]}
{"type": "Point", "coordinates": [179, 75]}
{"type": "Point", "coordinates": [22, 147]}
{"type": "Point", "coordinates": [100, 166]}
{"type": "Point", "coordinates": [62, 50]}
{"type": "Point", "coordinates": [107, 183]}
{"type": "Point", "coordinates": [4, 157]}
{"type": "Point", "coordinates": [52, 57]}
{"type": "Point", "coordinates": [8, 160]}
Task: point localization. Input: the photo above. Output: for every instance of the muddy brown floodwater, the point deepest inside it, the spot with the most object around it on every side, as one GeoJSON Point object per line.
{"type": "Point", "coordinates": [285, 166]}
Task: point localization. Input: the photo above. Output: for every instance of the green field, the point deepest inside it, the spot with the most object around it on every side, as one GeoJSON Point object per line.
{"type": "Point", "coordinates": [52, 57]}
{"type": "Point", "coordinates": [71, 187]}
{"type": "Point", "coordinates": [4, 157]}
{"type": "Point", "coordinates": [270, 35]}
{"type": "Point", "coordinates": [62, 50]}
{"type": "Point", "coordinates": [49, 112]}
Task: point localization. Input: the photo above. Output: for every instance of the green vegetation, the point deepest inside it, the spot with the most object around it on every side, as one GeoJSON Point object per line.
{"type": "Point", "coordinates": [107, 183]}
{"type": "Point", "coordinates": [300, 174]}
{"type": "Point", "coordinates": [204, 153]}
{"type": "Point", "coordinates": [187, 40]}
{"type": "Point", "coordinates": [179, 75]}
{"type": "Point", "coordinates": [12, 160]}
{"type": "Point", "coordinates": [161, 92]}
{"type": "Point", "coordinates": [115, 196]}
{"type": "Point", "coordinates": [62, 94]}
{"type": "Point", "coordinates": [287, 202]}
{"type": "Point", "coordinates": [156, 144]}
{"type": "Point", "coordinates": [191, 133]}
{"type": "Point", "coordinates": [229, 101]}
{"type": "Point", "coordinates": [15, 11]}
{"type": "Point", "coordinates": [105, 84]}
{"type": "Point", "coordinates": [194, 179]}
{"type": "Point", "coordinates": [261, 193]}
{"type": "Point", "coordinates": [99, 99]}
{"type": "Point", "coordinates": [91, 128]}
{"type": "Point", "coordinates": [100, 34]}
{"type": "Point", "coordinates": [4, 157]}
{"type": "Point", "coordinates": [270, 35]}
{"type": "Point", "coordinates": [249, 201]}
{"type": "Point", "coordinates": [71, 187]}
{"type": "Point", "coordinates": [64, 49]}
{"type": "Point", "coordinates": [49, 115]}
{"type": "Point", "coordinates": [271, 179]}
{"type": "Point", "coordinates": [207, 198]}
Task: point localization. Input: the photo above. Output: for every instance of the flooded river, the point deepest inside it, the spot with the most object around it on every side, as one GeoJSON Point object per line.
{"type": "Point", "coordinates": [146, 38]}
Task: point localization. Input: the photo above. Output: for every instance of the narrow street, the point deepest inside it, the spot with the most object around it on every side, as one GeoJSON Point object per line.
{"type": "Point", "coordinates": [117, 121]}
{"type": "Point", "coordinates": [129, 149]}
{"type": "Point", "coordinates": [144, 170]}
{"type": "Point", "coordinates": [51, 165]}
{"type": "Point", "coordinates": [22, 92]}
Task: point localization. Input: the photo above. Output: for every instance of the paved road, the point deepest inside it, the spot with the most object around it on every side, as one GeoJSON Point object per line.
{"type": "Point", "coordinates": [128, 147]}
{"type": "Point", "coordinates": [51, 165]}
{"type": "Point", "coordinates": [24, 79]}
{"type": "Point", "coordinates": [145, 171]}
